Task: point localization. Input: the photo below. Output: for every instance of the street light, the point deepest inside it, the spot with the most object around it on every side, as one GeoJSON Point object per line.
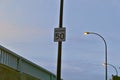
{"type": "Point", "coordinates": [113, 67]}
{"type": "Point", "coordinates": [86, 33]}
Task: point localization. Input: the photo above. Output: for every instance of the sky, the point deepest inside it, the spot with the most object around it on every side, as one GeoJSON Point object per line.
{"type": "Point", "coordinates": [27, 28]}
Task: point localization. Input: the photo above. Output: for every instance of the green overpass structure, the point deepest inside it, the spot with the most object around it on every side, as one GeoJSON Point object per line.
{"type": "Point", "coordinates": [15, 67]}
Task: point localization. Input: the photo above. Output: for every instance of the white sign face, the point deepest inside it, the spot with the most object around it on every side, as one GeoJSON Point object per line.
{"type": "Point", "coordinates": [59, 34]}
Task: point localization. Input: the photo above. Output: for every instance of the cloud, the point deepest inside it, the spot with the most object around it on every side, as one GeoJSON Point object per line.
{"type": "Point", "coordinates": [10, 31]}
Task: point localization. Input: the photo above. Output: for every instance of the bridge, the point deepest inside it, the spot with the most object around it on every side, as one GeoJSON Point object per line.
{"type": "Point", "coordinates": [15, 67]}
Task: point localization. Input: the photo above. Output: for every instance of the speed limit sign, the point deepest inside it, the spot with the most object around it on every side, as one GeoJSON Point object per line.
{"type": "Point", "coordinates": [59, 34]}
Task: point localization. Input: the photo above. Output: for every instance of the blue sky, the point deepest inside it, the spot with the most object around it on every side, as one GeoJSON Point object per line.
{"type": "Point", "coordinates": [27, 28]}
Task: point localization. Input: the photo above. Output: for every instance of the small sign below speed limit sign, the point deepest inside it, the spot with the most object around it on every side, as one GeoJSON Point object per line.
{"type": "Point", "coordinates": [59, 34]}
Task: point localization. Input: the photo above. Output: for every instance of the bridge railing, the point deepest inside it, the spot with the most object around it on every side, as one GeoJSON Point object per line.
{"type": "Point", "coordinates": [23, 65]}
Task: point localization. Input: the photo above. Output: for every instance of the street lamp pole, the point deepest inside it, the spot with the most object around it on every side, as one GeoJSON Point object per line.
{"type": "Point", "coordinates": [106, 69]}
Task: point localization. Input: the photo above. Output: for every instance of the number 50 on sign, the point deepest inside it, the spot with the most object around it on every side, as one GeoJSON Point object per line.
{"type": "Point", "coordinates": [59, 34]}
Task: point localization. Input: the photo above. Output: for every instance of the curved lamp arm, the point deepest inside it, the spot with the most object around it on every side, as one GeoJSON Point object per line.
{"type": "Point", "coordinates": [113, 67]}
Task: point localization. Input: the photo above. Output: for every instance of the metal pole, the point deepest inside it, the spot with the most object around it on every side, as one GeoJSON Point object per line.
{"type": "Point", "coordinates": [106, 69]}
{"type": "Point", "coordinates": [60, 43]}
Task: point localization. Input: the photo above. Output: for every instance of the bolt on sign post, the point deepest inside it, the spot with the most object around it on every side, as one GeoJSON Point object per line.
{"type": "Point", "coordinates": [59, 36]}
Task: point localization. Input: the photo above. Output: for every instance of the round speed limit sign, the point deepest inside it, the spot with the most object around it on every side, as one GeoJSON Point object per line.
{"type": "Point", "coordinates": [59, 34]}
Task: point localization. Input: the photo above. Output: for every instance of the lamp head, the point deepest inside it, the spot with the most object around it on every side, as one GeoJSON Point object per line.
{"type": "Point", "coordinates": [104, 64]}
{"type": "Point", "coordinates": [86, 33]}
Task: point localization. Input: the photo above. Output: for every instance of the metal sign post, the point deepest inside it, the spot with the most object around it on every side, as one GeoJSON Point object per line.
{"type": "Point", "coordinates": [59, 36]}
